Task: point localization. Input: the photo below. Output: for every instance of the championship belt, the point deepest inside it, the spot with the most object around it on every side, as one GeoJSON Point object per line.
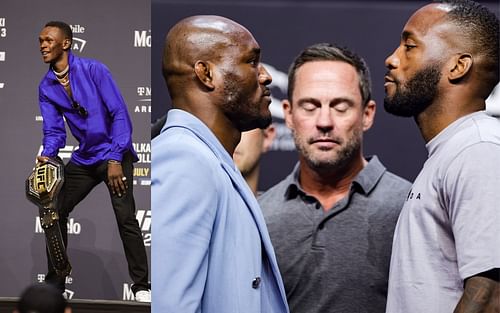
{"type": "Point", "coordinates": [42, 188]}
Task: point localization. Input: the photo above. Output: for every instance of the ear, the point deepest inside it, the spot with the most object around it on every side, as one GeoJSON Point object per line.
{"type": "Point", "coordinates": [66, 44]}
{"type": "Point", "coordinates": [287, 110]}
{"type": "Point", "coordinates": [462, 63]}
{"type": "Point", "coordinates": [204, 72]}
{"type": "Point", "coordinates": [369, 115]}
{"type": "Point", "coordinates": [269, 134]}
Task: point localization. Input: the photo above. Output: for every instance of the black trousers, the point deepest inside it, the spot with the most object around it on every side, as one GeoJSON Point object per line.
{"type": "Point", "coordinates": [79, 181]}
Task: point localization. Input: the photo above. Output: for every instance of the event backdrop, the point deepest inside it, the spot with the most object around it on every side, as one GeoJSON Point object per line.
{"type": "Point", "coordinates": [116, 32]}
{"type": "Point", "coordinates": [283, 28]}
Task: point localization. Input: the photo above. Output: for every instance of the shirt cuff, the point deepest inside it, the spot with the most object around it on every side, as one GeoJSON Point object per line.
{"type": "Point", "coordinates": [49, 153]}
{"type": "Point", "coordinates": [115, 156]}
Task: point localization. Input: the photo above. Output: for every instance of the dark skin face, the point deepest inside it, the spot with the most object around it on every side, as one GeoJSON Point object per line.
{"type": "Point", "coordinates": [426, 72]}
{"type": "Point", "coordinates": [54, 46]}
{"type": "Point", "coordinates": [212, 68]}
{"type": "Point", "coordinates": [414, 67]}
{"type": "Point", "coordinates": [246, 97]}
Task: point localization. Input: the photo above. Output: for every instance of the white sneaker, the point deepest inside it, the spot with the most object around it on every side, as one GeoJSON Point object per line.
{"type": "Point", "coordinates": [143, 296]}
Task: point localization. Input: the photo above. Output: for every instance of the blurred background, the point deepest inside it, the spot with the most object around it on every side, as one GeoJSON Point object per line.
{"type": "Point", "coordinates": [283, 29]}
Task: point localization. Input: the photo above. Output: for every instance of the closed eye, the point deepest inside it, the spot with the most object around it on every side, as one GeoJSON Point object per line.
{"type": "Point", "coordinates": [309, 106]}
{"type": "Point", "coordinates": [341, 107]}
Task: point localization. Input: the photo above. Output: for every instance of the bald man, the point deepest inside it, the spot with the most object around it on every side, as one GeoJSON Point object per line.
{"type": "Point", "coordinates": [212, 251]}
{"type": "Point", "coordinates": [446, 252]}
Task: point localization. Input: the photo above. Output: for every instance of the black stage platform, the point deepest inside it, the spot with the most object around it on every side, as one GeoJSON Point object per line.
{"type": "Point", "coordinates": [89, 306]}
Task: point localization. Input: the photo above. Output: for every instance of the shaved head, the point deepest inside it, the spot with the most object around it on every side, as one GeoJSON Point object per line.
{"type": "Point", "coordinates": [201, 37]}
{"type": "Point", "coordinates": [212, 68]}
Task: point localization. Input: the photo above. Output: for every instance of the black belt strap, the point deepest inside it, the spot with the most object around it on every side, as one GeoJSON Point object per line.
{"type": "Point", "coordinates": [42, 188]}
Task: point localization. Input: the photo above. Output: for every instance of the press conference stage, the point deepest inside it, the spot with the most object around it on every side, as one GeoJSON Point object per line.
{"type": "Point", "coordinates": [7, 305]}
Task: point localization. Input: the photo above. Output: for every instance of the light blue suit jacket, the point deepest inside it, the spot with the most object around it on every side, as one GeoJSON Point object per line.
{"type": "Point", "coordinates": [211, 252]}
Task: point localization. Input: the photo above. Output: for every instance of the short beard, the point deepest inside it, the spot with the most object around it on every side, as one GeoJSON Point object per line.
{"type": "Point", "coordinates": [416, 95]}
{"type": "Point", "coordinates": [343, 158]}
{"type": "Point", "coordinates": [239, 110]}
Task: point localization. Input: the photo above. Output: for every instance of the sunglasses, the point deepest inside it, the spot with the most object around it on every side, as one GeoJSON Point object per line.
{"type": "Point", "coordinates": [81, 110]}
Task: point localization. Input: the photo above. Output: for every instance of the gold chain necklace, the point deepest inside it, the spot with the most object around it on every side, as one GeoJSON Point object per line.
{"type": "Point", "coordinates": [63, 76]}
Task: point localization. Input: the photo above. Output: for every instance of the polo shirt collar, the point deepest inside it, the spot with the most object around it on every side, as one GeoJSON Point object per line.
{"type": "Point", "coordinates": [366, 180]}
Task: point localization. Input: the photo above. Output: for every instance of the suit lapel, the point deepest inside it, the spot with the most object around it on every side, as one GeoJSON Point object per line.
{"type": "Point", "coordinates": [248, 198]}
{"type": "Point", "coordinates": [256, 212]}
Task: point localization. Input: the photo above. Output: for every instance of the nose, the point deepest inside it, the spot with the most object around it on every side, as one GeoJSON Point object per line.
{"type": "Point", "coordinates": [324, 121]}
{"type": "Point", "coordinates": [264, 76]}
{"type": "Point", "coordinates": [392, 60]}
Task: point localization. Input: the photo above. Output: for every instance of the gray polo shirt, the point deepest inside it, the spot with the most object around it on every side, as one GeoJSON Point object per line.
{"type": "Point", "coordinates": [336, 261]}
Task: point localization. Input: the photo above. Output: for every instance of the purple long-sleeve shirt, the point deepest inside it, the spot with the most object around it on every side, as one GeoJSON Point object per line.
{"type": "Point", "coordinates": [104, 132]}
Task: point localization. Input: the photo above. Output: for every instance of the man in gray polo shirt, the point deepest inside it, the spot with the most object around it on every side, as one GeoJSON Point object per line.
{"type": "Point", "coordinates": [332, 219]}
{"type": "Point", "coordinates": [446, 252]}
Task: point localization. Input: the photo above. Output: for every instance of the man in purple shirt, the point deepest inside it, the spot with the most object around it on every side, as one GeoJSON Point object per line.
{"type": "Point", "coordinates": [84, 93]}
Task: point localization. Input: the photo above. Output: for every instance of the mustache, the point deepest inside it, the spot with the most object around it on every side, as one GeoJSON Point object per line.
{"type": "Point", "coordinates": [389, 77]}
{"type": "Point", "coordinates": [323, 138]}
